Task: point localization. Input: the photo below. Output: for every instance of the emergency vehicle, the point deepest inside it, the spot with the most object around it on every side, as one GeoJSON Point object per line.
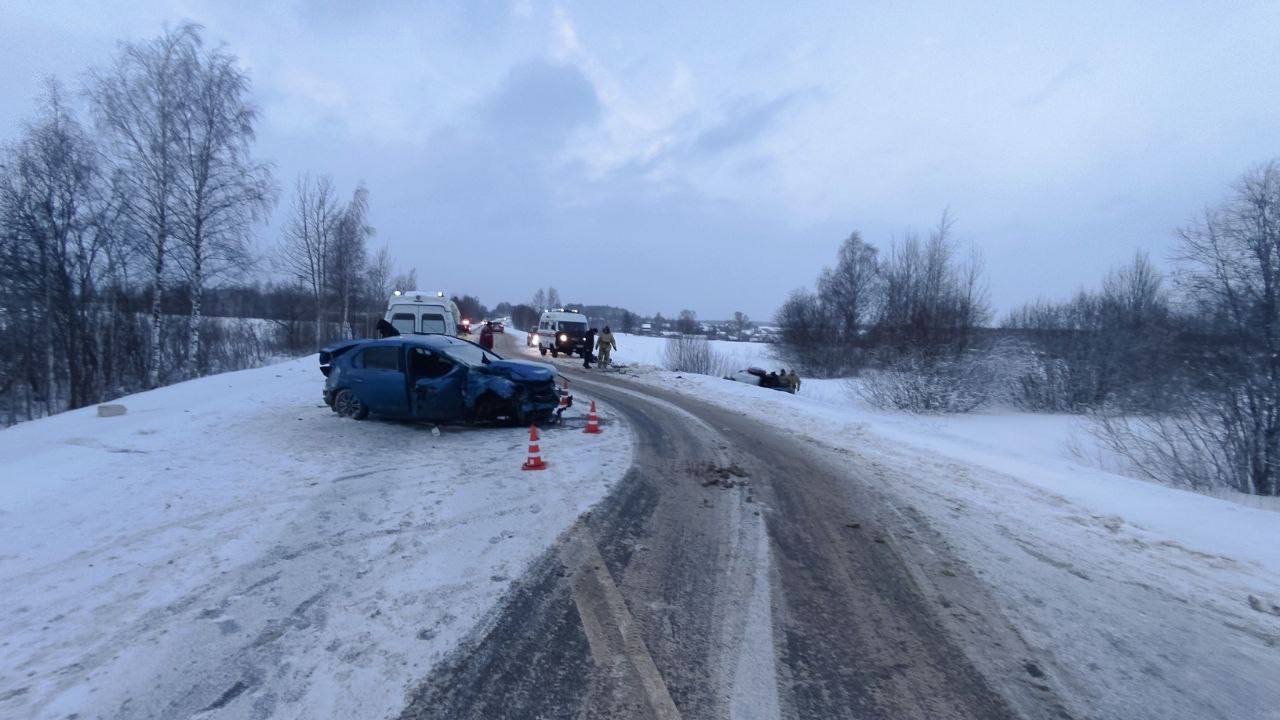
{"type": "Point", "coordinates": [418, 312]}
{"type": "Point", "coordinates": [562, 331]}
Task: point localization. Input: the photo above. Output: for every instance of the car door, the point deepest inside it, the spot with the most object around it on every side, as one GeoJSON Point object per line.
{"type": "Point", "coordinates": [438, 386]}
{"type": "Point", "coordinates": [380, 380]}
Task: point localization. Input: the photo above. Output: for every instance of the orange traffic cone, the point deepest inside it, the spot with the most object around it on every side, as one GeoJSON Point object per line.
{"type": "Point", "coordinates": [534, 462]}
{"type": "Point", "coordinates": [564, 398]}
{"type": "Point", "coordinates": [593, 423]}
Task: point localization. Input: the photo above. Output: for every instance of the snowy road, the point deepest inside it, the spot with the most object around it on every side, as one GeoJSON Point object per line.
{"type": "Point", "coordinates": [733, 572]}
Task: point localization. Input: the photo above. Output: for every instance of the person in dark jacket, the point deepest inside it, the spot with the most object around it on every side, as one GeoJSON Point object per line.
{"type": "Point", "coordinates": [486, 336]}
{"type": "Point", "coordinates": [588, 343]}
{"type": "Point", "coordinates": [386, 329]}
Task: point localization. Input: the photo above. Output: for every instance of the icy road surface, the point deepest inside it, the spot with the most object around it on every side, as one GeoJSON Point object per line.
{"type": "Point", "coordinates": [232, 549]}
{"type": "Point", "coordinates": [1136, 600]}
{"type": "Point", "coordinates": [769, 555]}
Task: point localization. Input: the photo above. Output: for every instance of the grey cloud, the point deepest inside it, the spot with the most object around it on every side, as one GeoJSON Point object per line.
{"type": "Point", "coordinates": [745, 121]}
{"type": "Point", "coordinates": [541, 102]}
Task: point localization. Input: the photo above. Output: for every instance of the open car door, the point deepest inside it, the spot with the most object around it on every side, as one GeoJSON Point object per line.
{"type": "Point", "coordinates": [437, 385]}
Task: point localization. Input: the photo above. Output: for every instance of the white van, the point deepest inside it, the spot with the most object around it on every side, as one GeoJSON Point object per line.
{"type": "Point", "coordinates": [418, 312]}
{"type": "Point", "coordinates": [562, 331]}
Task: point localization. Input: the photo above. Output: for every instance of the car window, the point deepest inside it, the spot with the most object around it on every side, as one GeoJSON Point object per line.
{"type": "Point", "coordinates": [403, 322]}
{"type": "Point", "coordinates": [426, 364]}
{"type": "Point", "coordinates": [381, 358]}
{"type": "Point", "coordinates": [433, 323]}
{"type": "Point", "coordinates": [470, 354]}
{"type": "Point", "coordinates": [574, 325]}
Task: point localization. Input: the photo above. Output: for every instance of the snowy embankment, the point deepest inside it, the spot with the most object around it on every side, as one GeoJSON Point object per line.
{"type": "Point", "coordinates": [648, 350]}
{"type": "Point", "coordinates": [231, 546]}
{"type": "Point", "coordinates": [1147, 601]}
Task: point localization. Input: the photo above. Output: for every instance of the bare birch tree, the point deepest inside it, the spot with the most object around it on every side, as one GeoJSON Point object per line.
{"type": "Point", "coordinates": [222, 190]}
{"type": "Point", "coordinates": [54, 207]}
{"type": "Point", "coordinates": [378, 276]}
{"type": "Point", "coordinates": [138, 101]}
{"type": "Point", "coordinates": [307, 241]}
{"type": "Point", "coordinates": [348, 252]}
{"type": "Point", "coordinates": [849, 289]}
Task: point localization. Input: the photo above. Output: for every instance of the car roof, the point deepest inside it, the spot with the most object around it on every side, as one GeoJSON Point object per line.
{"type": "Point", "coordinates": [430, 341]}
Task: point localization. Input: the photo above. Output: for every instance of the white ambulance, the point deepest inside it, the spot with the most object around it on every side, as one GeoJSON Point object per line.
{"type": "Point", "coordinates": [562, 331]}
{"type": "Point", "coordinates": [418, 312]}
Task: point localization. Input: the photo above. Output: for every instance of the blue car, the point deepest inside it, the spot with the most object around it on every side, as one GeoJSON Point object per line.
{"type": "Point", "coordinates": [437, 378]}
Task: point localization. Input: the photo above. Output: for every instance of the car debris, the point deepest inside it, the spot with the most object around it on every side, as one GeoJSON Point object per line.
{"type": "Point", "coordinates": [784, 381]}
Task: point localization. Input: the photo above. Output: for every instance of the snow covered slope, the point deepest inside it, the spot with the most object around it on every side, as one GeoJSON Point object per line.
{"type": "Point", "coordinates": [231, 546]}
{"type": "Point", "coordinates": [1150, 602]}
{"type": "Point", "coordinates": [648, 350]}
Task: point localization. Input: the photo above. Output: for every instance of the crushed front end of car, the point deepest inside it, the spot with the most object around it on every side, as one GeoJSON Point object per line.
{"type": "Point", "coordinates": [528, 389]}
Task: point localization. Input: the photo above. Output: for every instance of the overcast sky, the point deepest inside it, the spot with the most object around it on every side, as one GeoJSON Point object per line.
{"type": "Point", "coordinates": [713, 155]}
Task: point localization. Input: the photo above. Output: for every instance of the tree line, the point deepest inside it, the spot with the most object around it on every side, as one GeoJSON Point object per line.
{"type": "Point", "coordinates": [1180, 373]}
{"type": "Point", "coordinates": [125, 205]}
{"type": "Point", "coordinates": [921, 302]}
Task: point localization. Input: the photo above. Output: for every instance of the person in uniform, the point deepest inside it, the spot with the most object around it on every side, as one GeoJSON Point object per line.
{"type": "Point", "coordinates": [605, 345]}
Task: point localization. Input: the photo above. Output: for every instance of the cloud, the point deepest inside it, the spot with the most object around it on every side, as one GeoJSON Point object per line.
{"type": "Point", "coordinates": [541, 102]}
{"type": "Point", "coordinates": [745, 121]}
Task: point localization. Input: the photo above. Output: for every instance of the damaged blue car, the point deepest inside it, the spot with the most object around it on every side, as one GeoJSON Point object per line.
{"type": "Point", "coordinates": [437, 378]}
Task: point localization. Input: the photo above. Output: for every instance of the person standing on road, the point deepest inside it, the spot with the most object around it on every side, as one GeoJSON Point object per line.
{"type": "Point", "coordinates": [794, 381]}
{"type": "Point", "coordinates": [486, 336]}
{"type": "Point", "coordinates": [605, 345]}
{"type": "Point", "coordinates": [588, 344]}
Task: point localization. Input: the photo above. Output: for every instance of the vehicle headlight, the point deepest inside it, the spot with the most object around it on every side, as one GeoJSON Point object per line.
{"type": "Point", "coordinates": [564, 338]}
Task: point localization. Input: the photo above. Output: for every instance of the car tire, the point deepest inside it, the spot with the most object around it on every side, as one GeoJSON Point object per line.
{"type": "Point", "coordinates": [346, 404]}
{"type": "Point", "coordinates": [555, 352]}
{"type": "Point", "coordinates": [542, 350]}
{"type": "Point", "coordinates": [362, 411]}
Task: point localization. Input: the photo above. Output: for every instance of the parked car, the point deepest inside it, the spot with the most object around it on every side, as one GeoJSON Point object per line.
{"type": "Point", "coordinates": [435, 377]}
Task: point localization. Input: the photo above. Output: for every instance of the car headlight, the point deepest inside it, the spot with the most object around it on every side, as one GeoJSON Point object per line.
{"type": "Point", "coordinates": [564, 338]}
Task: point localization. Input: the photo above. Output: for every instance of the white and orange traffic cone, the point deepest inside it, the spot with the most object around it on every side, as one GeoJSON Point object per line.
{"type": "Point", "coordinates": [534, 462]}
{"type": "Point", "coordinates": [564, 398]}
{"type": "Point", "coordinates": [593, 422]}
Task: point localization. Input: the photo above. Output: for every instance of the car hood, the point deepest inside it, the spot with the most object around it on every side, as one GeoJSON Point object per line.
{"type": "Point", "coordinates": [519, 370]}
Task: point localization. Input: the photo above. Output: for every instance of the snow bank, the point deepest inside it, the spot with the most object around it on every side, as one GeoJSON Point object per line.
{"type": "Point", "coordinates": [230, 545]}
{"type": "Point", "coordinates": [648, 350]}
{"type": "Point", "coordinates": [1147, 601]}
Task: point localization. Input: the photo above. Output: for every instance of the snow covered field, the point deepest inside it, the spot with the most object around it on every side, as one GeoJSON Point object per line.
{"type": "Point", "coordinates": [231, 548]}
{"type": "Point", "coordinates": [648, 350]}
{"type": "Point", "coordinates": [1152, 602]}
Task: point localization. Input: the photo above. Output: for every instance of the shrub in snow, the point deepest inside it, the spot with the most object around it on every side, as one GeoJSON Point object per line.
{"type": "Point", "coordinates": [916, 384]}
{"type": "Point", "coordinates": [693, 354]}
{"type": "Point", "coordinates": [1209, 443]}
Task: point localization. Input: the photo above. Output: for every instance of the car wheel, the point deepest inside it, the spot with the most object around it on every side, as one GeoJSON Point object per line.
{"type": "Point", "coordinates": [346, 404]}
{"type": "Point", "coordinates": [361, 410]}
{"type": "Point", "coordinates": [555, 352]}
{"type": "Point", "coordinates": [342, 403]}
{"type": "Point", "coordinates": [542, 350]}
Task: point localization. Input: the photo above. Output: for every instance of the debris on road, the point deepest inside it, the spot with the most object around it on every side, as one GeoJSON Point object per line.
{"type": "Point", "coordinates": [726, 476]}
